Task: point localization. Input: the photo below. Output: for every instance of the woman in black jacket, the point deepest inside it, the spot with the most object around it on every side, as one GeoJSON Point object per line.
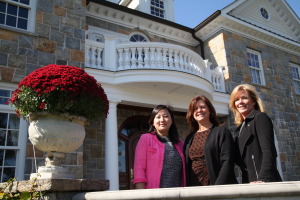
{"type": "Point", "coordinates": [209, 148]}
{"type": "Point", "coordinates": [254, 136]}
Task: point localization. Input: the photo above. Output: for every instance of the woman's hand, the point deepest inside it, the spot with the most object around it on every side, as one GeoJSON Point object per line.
{"type": "Point", "coordinates": [257, 182]}
{"type": "Point", "coordinates": [140, 186]}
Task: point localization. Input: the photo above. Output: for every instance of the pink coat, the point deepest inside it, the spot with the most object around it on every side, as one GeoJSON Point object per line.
{"type": "Point", "coordinates": [149, 158]}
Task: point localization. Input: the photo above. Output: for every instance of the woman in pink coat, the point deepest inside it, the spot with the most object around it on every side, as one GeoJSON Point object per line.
{"type": "Point", "coordinates": [159, 159]}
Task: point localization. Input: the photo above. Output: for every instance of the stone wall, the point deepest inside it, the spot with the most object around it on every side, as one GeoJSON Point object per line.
{"type": "Point", "coordinates": [59, 38]}
{"type": "Point", "coordinates": [282, 104]}
{"type": "Point", "coordinates": [94, 147]}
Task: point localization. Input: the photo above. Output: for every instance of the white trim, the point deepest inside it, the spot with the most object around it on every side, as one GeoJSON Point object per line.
{"type": "Point", "coordinates": [261, 70]}
{"type": "Point", "coordinates": [22, 139]}
{"type": "Point", "coordinates": [295, 80]}
{"type": "Point", "coordinates": [31, 14]}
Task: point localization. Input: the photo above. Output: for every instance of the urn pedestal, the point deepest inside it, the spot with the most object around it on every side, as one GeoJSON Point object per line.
{"type": "Point", "coordinates": [56, 135]}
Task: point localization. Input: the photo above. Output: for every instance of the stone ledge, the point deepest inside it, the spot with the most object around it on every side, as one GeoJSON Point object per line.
{"type": "Point", "coordinates": [57, 185]}
{"type": "Point", "coordinates": [260, 191]}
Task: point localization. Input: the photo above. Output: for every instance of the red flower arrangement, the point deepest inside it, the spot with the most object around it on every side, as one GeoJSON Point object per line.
{"type": "Point", "coordinates": [60, 89]}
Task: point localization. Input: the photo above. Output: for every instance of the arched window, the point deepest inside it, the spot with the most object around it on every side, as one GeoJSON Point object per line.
{"type": "Point", "coordinates": [138, 38]}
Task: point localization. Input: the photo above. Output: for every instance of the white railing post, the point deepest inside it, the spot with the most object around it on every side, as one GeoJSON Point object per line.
{"type": "Point", "coordinates": [152, 58]}
{"type": "Point", "coordinates": [120, 59]}
{"type": "Point", "coordinates": [159, 61]}
{"type": "Point", "coordinates": [165, 59]}
{"type": "Point", "coordinates": [146, 59]}
{"type": "Point", "coordinates": [110, 53]}
{"type": "Point", "coordinates": [140, 57]}
{"type": "Point", "coordinates": [126, 59]}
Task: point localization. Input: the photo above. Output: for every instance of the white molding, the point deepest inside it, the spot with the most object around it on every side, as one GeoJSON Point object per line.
{"type": "Point", "coordinates": [153, 87]}
{"type": "Point", "coordinates": [135, 22]}
{"type": "Point", "coordinates": [250, 32]}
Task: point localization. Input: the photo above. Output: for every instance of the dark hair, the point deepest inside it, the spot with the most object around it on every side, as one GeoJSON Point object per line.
{"type": "Point", "coordinates": [173, 132]}
{"type": "Point", "coordinates": [194, 126]}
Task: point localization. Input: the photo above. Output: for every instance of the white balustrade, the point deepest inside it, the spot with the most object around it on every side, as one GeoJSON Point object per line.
{"type": "Point", "coordinates": [155, 55]}
{"type": "Point", "coordinates": [93, 54]}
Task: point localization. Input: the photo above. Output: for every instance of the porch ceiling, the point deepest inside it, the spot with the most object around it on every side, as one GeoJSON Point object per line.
{"type": "Point", "coordinates": [169, 88]}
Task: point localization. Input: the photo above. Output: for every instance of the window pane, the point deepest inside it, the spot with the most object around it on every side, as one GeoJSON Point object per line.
{"type": "Point", "coordinates": [14, 121]}
{"type": "Point", "coordinates": [25, 2]}
{"type": "Point", "coordinates": [122, 156]}
{"type": "Point", "coordinates": [8, 173]}
{"type": "Point", "coordinates": [11, 21]}
{"type": "Point", "coordinates": [2, 137]}
{"type": "Point", "coordinates": [2, 18]}
{"type": "Point", "coordinates": [5, 93]}
{"type": "Point", "coordinates": [297, 86]}
{"type": "Point", "coordinates": [3, 120]}
{"type": "Point", "coordinates": [12, 10]}
{"type": "Point", "coordinates": [22, 24]}
{"type": "Point", "coordinates": [23, 13]}
{"type": "Point", "coordinates": [10, 158]}
{"type": "Point", "coordinates": [3, 100]}
{"type": "Point", "coordinates": [2, 7]}
{"type": "Point", "coordinates": [12, 138]}
{"type": "Point", "coordinates": [1, 156]}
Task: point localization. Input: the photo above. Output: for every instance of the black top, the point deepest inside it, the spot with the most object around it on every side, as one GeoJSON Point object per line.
{"type": "Point", "coordinates": [256, 147]}
{"type": "Point", "coordinates": [172, 166]}
{"type": "Point", "coordinates": [219, 150]}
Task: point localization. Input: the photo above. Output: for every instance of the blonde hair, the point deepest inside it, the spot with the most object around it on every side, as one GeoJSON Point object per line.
{"type": "Point", "coordinates": [252, 93]}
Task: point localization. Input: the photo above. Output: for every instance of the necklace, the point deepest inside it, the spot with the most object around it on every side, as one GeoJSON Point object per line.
{"type": "Point", "coordinates": [205, 129]}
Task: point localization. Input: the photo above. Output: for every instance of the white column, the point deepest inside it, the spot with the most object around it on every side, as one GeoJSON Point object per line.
{"type": "Point", "coordinates": [111, 147]}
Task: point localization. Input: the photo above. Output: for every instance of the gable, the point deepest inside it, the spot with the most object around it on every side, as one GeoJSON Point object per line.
{"type": "Point", "coordinates": [281, 20]}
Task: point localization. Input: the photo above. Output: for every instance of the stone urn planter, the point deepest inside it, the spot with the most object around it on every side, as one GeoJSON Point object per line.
{"type": "Point", "coordinates": [51, 98]}
{"type": "Point", "coordinates": [56, 135]}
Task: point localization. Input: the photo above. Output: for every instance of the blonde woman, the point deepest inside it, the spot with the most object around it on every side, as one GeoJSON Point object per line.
{"type": "Point", "coordinates": [254, 136]}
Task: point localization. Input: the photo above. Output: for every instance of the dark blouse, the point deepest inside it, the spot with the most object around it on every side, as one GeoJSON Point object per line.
{"type": "Point", "coordinates": [172, 165]}
{"type": "Point", "coordinates": [199, 172]}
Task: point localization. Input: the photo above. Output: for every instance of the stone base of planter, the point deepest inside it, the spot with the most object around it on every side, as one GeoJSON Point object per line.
{"type": "Point", "coordinates": [57, 185]}
{"type": "Point", "coordinates": [52, 172]}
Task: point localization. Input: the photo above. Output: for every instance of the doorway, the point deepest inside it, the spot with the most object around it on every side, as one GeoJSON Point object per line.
{"type": "Point", "coordinates": [128, 136]}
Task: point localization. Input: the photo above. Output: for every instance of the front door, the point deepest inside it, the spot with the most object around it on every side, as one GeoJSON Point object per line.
{"type": "Point", "coordinates": [129, 133]}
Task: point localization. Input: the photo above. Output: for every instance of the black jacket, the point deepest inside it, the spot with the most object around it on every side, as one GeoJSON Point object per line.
{"type": "Point", "coordinates": [219, 156]}
{"type": "Point", "coordinates": [257, 158]}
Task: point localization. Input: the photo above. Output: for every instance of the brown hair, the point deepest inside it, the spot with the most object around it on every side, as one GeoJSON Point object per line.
{"type": "Point", "coordinates": [194, 126]}
{"type": "Point", "coordinates": [252, 93]}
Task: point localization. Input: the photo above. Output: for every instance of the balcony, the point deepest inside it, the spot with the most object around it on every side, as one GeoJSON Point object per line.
{"type": "Point", "coordinates": [113, 57]}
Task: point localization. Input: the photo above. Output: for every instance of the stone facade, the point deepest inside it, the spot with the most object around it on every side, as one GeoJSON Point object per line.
{"type": "Point", "coordinates": [282, 104]}
{"type": "Point", "coordinates": [58, 39]}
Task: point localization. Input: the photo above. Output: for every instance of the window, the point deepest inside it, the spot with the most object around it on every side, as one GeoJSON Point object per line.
{"type": "Point", "coordinates": [18, 14]}
{"type": "Point", "coordinates": [264, 13]}
{"type": "Point", "coordinates": [296, 77]}
{"type": "Point", "coordinates": [157, 8]}
{"type": "Point", "coordinates": [137, 38]}
{"type": "Point", "coordinates": [13, 138]}
{"type": "Point", "coordinates": [255, 65]}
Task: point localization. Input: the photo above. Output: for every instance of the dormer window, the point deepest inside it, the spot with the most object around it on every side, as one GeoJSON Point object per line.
{"type": "Point", "coordinates": [158, 8]}
{"type": "Point", "coordinates": [264, 13]}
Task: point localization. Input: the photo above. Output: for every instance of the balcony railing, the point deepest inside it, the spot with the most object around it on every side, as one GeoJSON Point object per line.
{"type": "Point", "coordinates": [151, 55]}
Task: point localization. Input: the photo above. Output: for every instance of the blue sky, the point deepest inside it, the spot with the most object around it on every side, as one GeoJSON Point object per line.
{"type": "Point", "coordinates": [192, 12]}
